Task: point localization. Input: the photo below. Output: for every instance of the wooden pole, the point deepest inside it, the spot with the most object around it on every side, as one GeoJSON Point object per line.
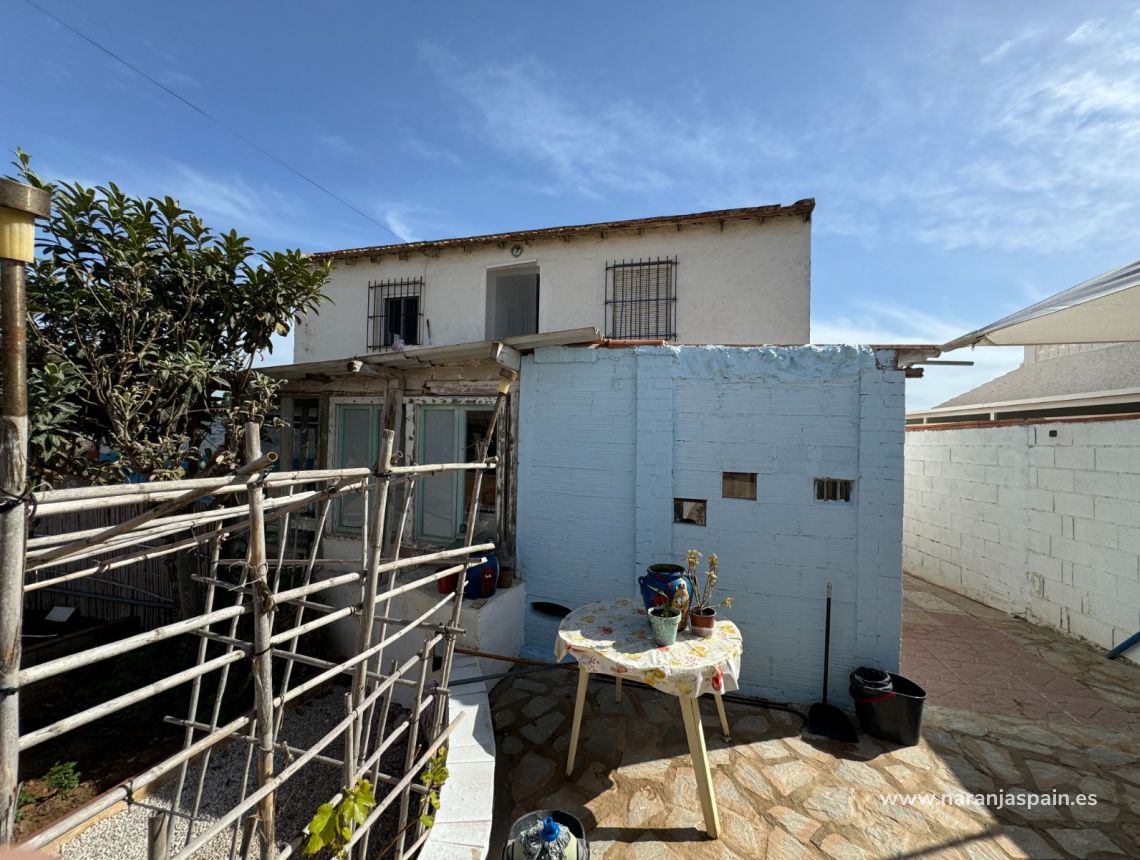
{"type": "Point", "coordinates": [262, 633]}
{"type": "Point", "coordinates": [13, 531]}
{"type": "Point", "coordinates": [24, 204]}
{"type": "Point", "coordinates": [413, 736]}
{"type": "Point", "coordinates": [158, 831]}
{"type": "Point", "coordinates": [175, 504]}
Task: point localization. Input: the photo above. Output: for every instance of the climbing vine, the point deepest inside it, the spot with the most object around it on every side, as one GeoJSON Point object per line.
{"type": "Point", "coordinates": [332, 826]}
{"type": "Point", "coordinates": [433, 777]}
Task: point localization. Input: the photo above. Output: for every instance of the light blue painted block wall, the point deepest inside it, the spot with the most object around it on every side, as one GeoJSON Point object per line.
{"type": "Point", "coordinates": [609, 437]}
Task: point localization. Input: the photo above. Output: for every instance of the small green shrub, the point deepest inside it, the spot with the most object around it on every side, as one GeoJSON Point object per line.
{"type": "Point", "coordinates": [24, 798]}
{"type": "Point", "coordinates": [62, 778]}
{"type": "Point", "coordinates": [332, 826]}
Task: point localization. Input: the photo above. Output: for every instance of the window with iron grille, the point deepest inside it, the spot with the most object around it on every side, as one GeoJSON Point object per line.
{"type": "Point", "coordinates": [641, 299]}
{"type": "Point", "coordinates": [394, 311]}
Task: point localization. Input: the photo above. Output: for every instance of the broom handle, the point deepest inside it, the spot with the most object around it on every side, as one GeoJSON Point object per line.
{"type": "Point", "coordinates": [827, 643]}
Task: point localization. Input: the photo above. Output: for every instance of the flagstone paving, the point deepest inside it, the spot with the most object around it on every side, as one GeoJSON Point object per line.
{"type": "Point", "coordinates": [1012, 708]}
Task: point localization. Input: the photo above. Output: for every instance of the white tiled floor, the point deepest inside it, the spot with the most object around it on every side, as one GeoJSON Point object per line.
{"type": "Point", "coordinates": [463, 823]}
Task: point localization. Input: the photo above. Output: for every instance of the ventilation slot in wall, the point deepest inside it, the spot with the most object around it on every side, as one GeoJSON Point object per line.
{"type": "Point", "coordinates": [738, 485]}
{"type": "Point", "coordinates": [833, 489]}
{"type": "Point", "coordinates": [690, 511]}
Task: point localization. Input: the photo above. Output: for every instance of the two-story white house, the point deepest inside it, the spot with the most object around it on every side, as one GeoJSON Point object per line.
{"type": "Point", "coordinates": [736, 276]}
{"type": "Point", "coordinates": [665, 399]}
{"type": "Point", "coordinates": [415, 322]}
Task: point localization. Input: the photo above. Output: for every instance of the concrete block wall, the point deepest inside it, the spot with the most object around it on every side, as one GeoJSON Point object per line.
{"type": "Point", "coordinates": [1041, 520]}
{"type": "Point", "coordinates": [656, 423]}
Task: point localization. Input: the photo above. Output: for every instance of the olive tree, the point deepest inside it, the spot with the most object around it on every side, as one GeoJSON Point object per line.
{"type": "Point", "coordinates": [143, 329]}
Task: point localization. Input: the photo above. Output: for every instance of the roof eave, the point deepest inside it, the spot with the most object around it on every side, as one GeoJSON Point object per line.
{"type": "Point", "coordinates": [802, 208]}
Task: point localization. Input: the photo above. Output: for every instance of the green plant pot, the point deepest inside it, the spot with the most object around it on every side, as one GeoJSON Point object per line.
{"type": "Point", "coordinates": [664, 626]}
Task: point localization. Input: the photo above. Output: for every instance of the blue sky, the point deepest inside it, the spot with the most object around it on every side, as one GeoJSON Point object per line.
{"type": "Point", "coordinates": [967, 158]}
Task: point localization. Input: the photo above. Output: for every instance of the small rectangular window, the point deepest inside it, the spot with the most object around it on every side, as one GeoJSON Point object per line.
{"type": "Point", "coordinates": [833, 489]}
{"type": "Point", "coordinates": [691, 511]}
{"type": "Point", "coordinates": [738, 485]}
{"type": "Point", "coordinates": [394, 313]}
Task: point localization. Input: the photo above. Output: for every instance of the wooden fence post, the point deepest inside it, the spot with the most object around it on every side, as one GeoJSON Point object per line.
{"type": "Point", "coordinates": [263, 607]}
{"type": "Point", "coordinates": [22, 204]}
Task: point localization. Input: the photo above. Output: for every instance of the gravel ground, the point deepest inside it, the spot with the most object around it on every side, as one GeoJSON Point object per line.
{"type": "Point", "coordinates": [124, 836]}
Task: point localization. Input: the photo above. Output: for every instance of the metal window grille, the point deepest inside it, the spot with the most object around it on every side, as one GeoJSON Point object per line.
{"type": "Point", "coordinates": [641, 299]}
{"type": "Point", "coordinates": [833, 489]}
{"type": "Point", "coordinates": [395, 310]}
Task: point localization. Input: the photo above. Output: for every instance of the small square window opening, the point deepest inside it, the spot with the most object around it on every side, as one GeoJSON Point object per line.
{"type": "Point", "coordinates": [833, 489]}
{"type": "Point", "coordinates": [691, 511]}
{"type": "Point", "coordinates": [738, 485]}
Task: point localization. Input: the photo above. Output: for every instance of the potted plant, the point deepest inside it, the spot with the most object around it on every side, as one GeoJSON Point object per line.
{"type": "Point", "coordinates": [702, 614]}
{"type": "Point", "coordinates": [665, 620]}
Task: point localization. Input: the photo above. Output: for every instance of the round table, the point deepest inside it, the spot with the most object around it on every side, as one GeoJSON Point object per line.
{"type": "Point", "coordinates": [612, 637]}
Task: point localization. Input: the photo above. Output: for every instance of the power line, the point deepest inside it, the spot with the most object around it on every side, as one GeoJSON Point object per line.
{"type": "Point", "coordinates": [246, 140]}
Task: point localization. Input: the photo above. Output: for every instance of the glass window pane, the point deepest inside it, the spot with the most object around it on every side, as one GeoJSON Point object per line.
{"type": "Point", "coordinates": [478, 424]}
{"type": "Point", "coordinates": [354, 447]}
{"type": "Point", "coordinates": [438, 492]}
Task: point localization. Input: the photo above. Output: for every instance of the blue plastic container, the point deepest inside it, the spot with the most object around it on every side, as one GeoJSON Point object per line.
{"type": "Point", "coordinates": [481, 578]}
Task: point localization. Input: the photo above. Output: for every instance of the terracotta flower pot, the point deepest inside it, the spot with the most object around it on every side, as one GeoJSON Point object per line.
{"type": "Point", "coordinates": [702, 622]}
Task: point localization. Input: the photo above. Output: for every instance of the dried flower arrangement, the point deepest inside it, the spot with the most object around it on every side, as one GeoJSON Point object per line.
{"type": "Point", "coordinates": [702, 613]}
{"type": "Point", "coordinates": [703, 597]}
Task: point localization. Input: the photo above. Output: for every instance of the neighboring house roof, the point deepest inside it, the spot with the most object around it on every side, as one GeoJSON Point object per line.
{"type": "Point", "coordinates": [1111, 368]}
{"type": "Point", "coordinates": [802, 208]}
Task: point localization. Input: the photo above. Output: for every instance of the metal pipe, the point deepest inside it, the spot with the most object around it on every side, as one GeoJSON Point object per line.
{"type": "Point", "coordinates": [1123, 646]}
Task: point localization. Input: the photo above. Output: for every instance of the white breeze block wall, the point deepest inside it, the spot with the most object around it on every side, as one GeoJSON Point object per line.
{"type": "Point", "coordinates": [1040, 520]}
{"type": "Point", "coordinates": [608, 438]}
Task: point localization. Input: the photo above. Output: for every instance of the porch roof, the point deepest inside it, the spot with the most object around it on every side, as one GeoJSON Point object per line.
{"type": "Point", "coordinates": [427, 356]}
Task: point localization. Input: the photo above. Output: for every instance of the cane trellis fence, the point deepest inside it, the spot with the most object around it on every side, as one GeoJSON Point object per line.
{"type": "Point", "coordinates": [260, 609]}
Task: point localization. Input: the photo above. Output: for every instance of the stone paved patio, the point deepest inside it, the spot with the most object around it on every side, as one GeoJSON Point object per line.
{"type": "Point", "coordinates": [1011, 707]}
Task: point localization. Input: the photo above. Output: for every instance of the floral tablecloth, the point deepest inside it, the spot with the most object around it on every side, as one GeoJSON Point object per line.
{"type": "Point", "coordinates": [612, 637]}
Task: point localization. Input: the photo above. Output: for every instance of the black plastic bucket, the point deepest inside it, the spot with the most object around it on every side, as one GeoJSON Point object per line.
{"type": "Point", "coordinates": [871, 679]}
{"type": "Point", "coordinates": [893, 714]}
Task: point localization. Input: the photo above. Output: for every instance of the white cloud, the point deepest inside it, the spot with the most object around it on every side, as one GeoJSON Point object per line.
{"type": "Point", "coordinates": [224, 200]}
{"type": "Point", "coordinates": [335, 144]}
{"type": "Point", "coordinates": [429, 151]}
{"type": "Point", "coordinates": [1036, 152]}
{"type": "Point", "coordinates": [592, 148]}
{"type": "Point", "coordinates": [895, 324]}
{"type": "Point", "coordinates": [396, 224]}
{"type": "Point", "coordinates": [1010, 45]}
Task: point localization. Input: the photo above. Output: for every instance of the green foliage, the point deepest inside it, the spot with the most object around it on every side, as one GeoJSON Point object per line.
{"type": "Point", "coordinates": [24, 798]}
{"type": "Point", "coordinates": [332, 827]}
{"type": "Point", "coordinates": [144, 327]}
{"type": "Point", "coordinates": [434, 776]}
{"type": "Point", "coordinates": [62, 778]}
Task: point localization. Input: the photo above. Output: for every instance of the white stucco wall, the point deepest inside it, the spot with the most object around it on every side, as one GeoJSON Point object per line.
{"type": "Point", "coordinates": [748, 283]}
{"type": "Point", "coordinates": [608, 438]}
{"type": "Point", "coordinates": [1041, 520]}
